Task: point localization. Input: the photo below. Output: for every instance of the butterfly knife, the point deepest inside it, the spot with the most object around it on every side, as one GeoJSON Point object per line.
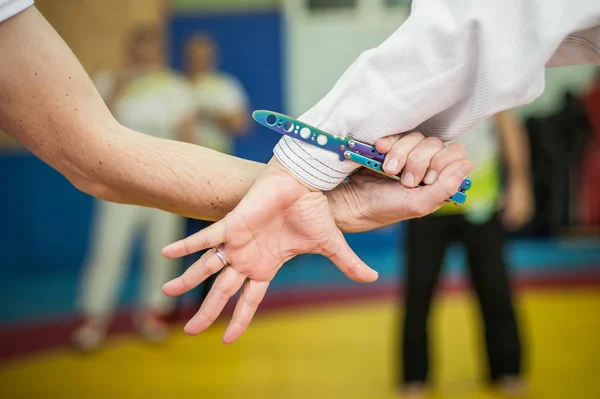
{"type": "Point", "coordinates": [347, 148]}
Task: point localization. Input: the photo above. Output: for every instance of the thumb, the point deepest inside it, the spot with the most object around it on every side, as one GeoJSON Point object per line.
{"type": "Point", "coordinates": [340, 253]}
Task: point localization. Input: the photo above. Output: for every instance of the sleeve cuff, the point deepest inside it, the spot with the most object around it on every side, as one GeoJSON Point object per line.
{"type": "Point", "coordinates": [317, 167]}
{"type": "Point", "coordinates": [13, 7]}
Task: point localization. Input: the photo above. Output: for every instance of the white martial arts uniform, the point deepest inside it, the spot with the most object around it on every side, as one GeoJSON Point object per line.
{"type": "Point", "coordinates": [8, 8]}
{"type": "Point", "coordinates": [154, 104]}
{"type": "Point", "coordinates": [451, 64]}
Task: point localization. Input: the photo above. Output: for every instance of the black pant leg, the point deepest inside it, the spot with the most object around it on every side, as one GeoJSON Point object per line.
{"type": "Point", "coordinates": [485, 248]}
{"type": "Point", "coordinates": [427, 241]}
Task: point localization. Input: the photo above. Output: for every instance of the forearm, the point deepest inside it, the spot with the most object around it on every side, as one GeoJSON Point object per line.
{"type": "Point", "coordinates": [515, 147]}
{"type": "Point", "coordinates": [450, 65]}
{"type": "Point", "coordinates": [174, 176]}
{"type": "Point", "coordinates": [50, 105]}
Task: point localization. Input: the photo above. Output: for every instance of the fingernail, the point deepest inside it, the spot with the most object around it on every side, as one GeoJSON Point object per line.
{"type": "Point", "coordinates": [168, 286]}
{"type": "Point", "coordinates": [430, 177]}
{"type": "Point", "coordinates": [392, 165]}
{"type": "Point", "coordinates": [408, 179]}
{"type": "Point", "coordinates": [189, 330]}
{"type": "Point", "coordinates": [372, 275]}
{"type": "Point", "coordinates": [169, 248]}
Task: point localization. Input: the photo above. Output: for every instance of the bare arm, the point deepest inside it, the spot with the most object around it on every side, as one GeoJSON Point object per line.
{"type": "Point", "coordinates": [49, 104]}
{"type": "Point", "coordinates": [515, 146]}
{"type": "Point", "coordinates": [518, 201]}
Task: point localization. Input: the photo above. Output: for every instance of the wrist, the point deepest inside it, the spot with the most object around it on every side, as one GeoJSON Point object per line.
{"type": "Point", "coordinates": [349, 212]}
{"type": "Point", "coordinates": [339, 209]}
{"type": "Point", "coordinates": [518, 182]}
{"type": "Point", "coordinates": [278, 168]}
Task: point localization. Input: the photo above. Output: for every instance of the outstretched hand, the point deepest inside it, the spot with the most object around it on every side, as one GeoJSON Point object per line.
{"type": "Point", "coordinates": [278, 219]}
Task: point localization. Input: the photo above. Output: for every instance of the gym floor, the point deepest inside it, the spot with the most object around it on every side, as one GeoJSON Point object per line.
{"type": "Point", "coordinates": [333, 351]}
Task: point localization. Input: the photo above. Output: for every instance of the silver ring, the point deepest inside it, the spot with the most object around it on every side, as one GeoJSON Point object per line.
{"type": "Point", "coordinates": [220, 256]}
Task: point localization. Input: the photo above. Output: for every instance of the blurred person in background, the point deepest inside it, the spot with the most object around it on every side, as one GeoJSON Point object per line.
{"type": "Point", "coordinates": [146, 96]}
{"type": "Point", "coordinates": [220, 100]}
{"type": "Point", "coordinates": [481, 226]}
{"type": "Point", "coordinates": [590, 170]}
{"type": "Point", "coordinates": [221, 111]}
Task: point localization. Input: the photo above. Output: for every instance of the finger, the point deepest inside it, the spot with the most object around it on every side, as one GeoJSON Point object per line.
{"type": "Point", "coordinates": [206, 266]}
{"type": "Point", "coordinates": [395, 159]}
{"type": "Point", "coordinates": [450, 153]}
{"type": "Point", "coordinates": [209, 237]}
{"type": "Point", "coordinates": [384, 144]}
{"type": "Point", "coordinates": [418, 161]}
{"type": "Point", "coordinates": [252, 295]}
{"type": "Point", "coordinates": [427, 199]}
{"type": "Point", "coordinates": [225, 286]}
{"type": "Point", "coordinates": [340, 253]}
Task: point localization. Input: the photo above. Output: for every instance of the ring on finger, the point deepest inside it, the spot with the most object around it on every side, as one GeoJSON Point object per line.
{"type": "Point", "coordinates": [220, 256]}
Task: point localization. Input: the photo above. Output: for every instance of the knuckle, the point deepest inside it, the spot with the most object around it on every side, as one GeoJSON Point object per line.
{"type": "Point", "coordinates": [418, 135]}
{"type": "Point", "coordinates": [420, 208]}
{"type": "Point", "coordinates": [352, 269]}
{"type": "Point", "coordinates": [417, 160]}
{"type": "Point", "coordinates": [438, 163]}
{"type": "Point", "coordinates": [387, 143]}
{"type": "Point", "coordinates": [252, 302]}
{"type": "Point", "coordinates": [458, 148]}
{"type": "Point", "coordinates": [186, 247]}
{"type": "Point", "coordinates": [397, 148]}
{"type": "Point", "coordinates": [237, 326]}
{"type": "Point", "coordinates": [206, 317]}
{"type": "Point", "coordinates": [433, 142]}
{"type": "Point", "coordinates": [221, 292]}
{"type": "Point", "coordinates": [186, 282]}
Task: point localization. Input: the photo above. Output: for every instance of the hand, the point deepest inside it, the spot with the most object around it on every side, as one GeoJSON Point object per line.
{"type": "Point", "coordinates": [278, 219]}
{"type": "Point", "coordinates": [519, 206]}
{"type": "Point", "coordinates": [370, 200]}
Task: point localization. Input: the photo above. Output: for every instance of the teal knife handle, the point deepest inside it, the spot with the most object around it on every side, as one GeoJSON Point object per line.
{"type": "Point", "coordinates": [298, 130]}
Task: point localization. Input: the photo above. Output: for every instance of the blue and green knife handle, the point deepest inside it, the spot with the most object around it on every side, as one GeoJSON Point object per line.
{"type": "Point", "coordinates": [347, 148]}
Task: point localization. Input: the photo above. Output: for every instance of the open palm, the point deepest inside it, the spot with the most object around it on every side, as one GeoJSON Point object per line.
{"type": "Point", "coordinates": [256, 241]}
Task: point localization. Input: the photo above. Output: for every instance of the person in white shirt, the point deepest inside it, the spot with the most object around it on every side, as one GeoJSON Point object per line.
{"type": "Point", "coordinates": [220, 100]}
{"type": "Point", "coordinates": [450, 65]}
{"type": "Point", "coordinates": [146, 96]}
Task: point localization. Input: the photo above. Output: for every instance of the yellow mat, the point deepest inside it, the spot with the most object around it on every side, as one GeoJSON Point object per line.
{"type": "Point", "coordinates": [331, 352]}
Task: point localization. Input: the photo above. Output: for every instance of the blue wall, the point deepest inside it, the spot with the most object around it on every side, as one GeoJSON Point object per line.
{"type": "Point", "coordinates": [44, 219]}
{"type": "Point", "coordinates": [251, 50]}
